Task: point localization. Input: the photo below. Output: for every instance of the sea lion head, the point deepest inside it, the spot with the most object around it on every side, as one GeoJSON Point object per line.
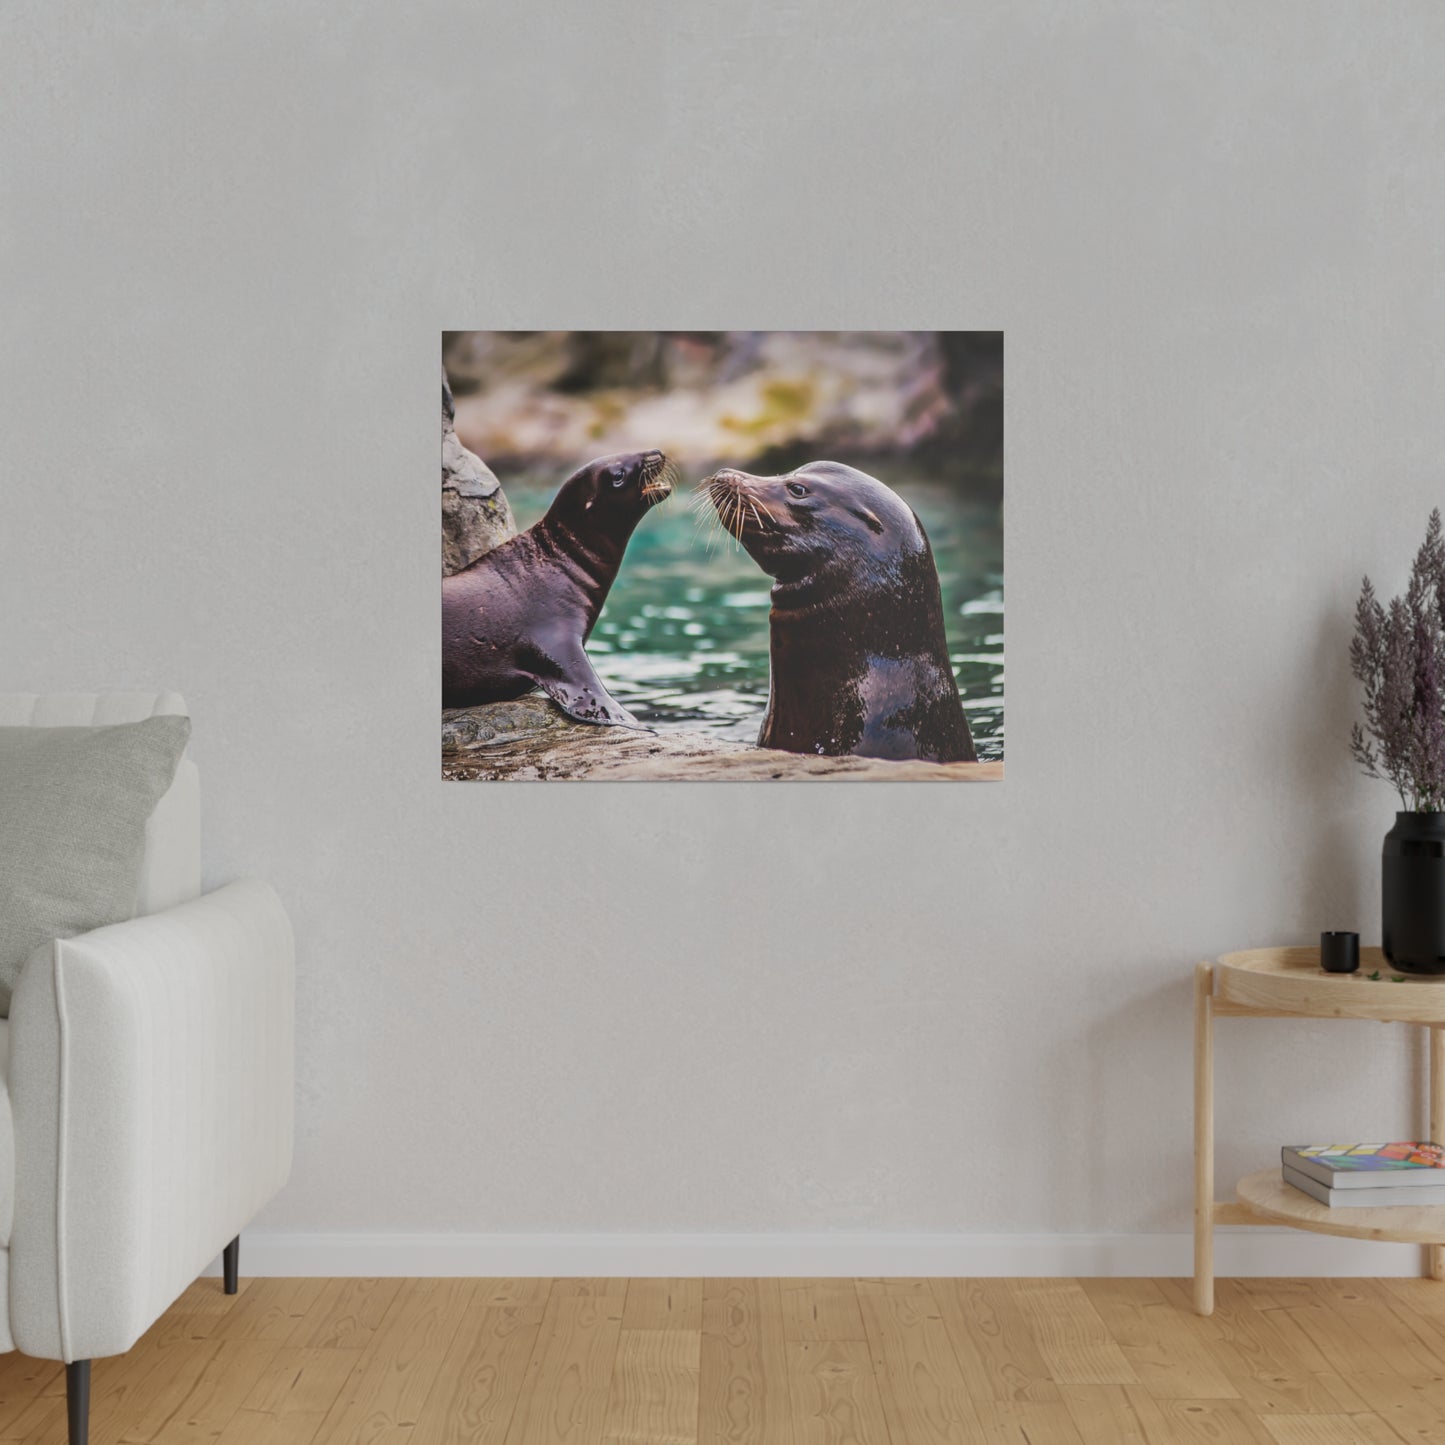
{"type": "Point", "coordinates": [613, 493]}
{"type": "Point", "coordinates": [823, 518]}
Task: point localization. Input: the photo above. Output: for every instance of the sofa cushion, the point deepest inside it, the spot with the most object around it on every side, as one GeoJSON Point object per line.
{"type": "Point", "coordinates": [171, 873]}
{"type": "Point", "coordinates": [73, 809]}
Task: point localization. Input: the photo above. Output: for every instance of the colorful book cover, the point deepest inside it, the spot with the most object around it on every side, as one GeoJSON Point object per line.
{"type": "Point", "coordinates": [1364, 1158]}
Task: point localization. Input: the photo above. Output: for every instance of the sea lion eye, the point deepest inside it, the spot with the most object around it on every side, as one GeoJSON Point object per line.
{"type": "Point", "coordinates": [797, 489]}
{"type": "Point", "coordinates": [618, 475]}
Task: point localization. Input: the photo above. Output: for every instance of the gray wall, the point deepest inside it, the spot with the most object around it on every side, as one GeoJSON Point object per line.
{"type": "Point", "coordinates": [231, 236]}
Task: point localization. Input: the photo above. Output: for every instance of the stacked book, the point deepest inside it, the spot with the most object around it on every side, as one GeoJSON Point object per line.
{"type": "Point", "coordinates": [1367, 1176]}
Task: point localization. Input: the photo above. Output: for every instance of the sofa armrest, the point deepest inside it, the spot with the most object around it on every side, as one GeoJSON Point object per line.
{"type": "Point", "coordinates": [151, 1081]}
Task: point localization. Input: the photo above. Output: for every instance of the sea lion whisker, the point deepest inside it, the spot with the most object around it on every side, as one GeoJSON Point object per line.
{"type": "Point", "coordinates": [705, 528]}
{"type": "Point", "coordinates": [723, 508]}
{"type": "Point", "coordinates": [659, 477]}
{"type": "Point", "coordinates": [705, 514]}
{"type": "Point", "coordinates": [734, 507]}
{"type": "Point", "coordinates": [702, 502]}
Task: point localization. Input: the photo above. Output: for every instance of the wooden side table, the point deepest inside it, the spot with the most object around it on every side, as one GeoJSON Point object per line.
{"type": "Point", "coordinates": [1267, 983]}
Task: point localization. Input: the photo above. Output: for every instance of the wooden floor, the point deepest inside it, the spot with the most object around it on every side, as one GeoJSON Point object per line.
{"type": "Point", "coordinates": [765, 1362]}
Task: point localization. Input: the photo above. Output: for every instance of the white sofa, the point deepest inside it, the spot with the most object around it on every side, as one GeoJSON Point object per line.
{"type": "Point", "coordinates": [148, 1072]}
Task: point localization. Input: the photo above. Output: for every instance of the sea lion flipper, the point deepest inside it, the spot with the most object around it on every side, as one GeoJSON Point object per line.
{"type": "Point", "coordinates": [579, 692]}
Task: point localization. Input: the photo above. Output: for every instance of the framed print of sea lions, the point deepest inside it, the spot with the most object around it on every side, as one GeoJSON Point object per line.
{"type": "Point", "coordinates": [722, 556]}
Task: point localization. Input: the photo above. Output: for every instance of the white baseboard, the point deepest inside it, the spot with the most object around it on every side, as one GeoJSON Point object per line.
{"type": "Point", "coordinates": [1246, 1252]}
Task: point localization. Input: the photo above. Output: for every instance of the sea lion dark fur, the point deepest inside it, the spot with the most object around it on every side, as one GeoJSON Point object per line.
{"type": "Point", "coordinates": [518, 617]}
{"type": "Point", "coordinates": [859, 656]}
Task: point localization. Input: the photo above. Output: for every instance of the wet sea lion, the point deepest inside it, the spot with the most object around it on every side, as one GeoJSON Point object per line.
{"type": "Point", "coordinates": [859, 657]}
{"type": "Point", "coordinates": [517, 618]}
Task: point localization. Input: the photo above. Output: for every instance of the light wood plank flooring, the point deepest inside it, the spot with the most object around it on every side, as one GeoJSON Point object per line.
{"type": "Point", "coordinates": [765, 1362]}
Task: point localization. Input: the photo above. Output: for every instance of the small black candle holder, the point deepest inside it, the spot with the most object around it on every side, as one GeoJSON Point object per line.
{"type": "Point", "coordinates": [1340, 952]}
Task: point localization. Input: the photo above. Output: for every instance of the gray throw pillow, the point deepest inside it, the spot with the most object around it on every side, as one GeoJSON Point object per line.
{"type": "Point", "coordinates": [73, 809]}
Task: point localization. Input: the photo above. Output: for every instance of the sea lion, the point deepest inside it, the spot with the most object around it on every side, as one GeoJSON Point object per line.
{"type": "Point", "coordinates": [859, 657]}
{"type": "Point", "coordinates": [517, 618]}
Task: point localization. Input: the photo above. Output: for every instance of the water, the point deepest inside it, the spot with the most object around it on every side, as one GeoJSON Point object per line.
{"type": "Point", "coordinates": [683, 639]}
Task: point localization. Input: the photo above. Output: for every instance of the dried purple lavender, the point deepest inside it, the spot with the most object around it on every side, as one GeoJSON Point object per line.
{"type": "Point", "coordinates": [1398, 654]}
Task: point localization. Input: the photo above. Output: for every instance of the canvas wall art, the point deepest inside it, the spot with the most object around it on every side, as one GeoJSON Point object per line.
{"type": "Point", "coordinates": [722, 555]}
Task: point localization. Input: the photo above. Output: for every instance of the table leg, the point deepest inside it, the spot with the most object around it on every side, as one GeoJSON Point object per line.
{"type": "Point", "coordinates": [1204, 1139]}
{"type": "Point", "coordinates": [1435, 1253]}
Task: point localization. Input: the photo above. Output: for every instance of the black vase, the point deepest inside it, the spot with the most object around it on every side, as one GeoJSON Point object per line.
{"type": "Point", "coordinates": [1414, 893]}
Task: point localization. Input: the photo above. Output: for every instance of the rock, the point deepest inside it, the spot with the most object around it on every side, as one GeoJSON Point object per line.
{"type": "Point", "coordinates": [532, 739]}
{"type": "Point", "coordinates": [475, 513]}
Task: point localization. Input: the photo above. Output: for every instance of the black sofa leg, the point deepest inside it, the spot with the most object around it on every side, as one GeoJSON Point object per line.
{"type": "Point", "coordinates": [77, 1401]}
{"type": "Point", "coordinates": [231, 1264]}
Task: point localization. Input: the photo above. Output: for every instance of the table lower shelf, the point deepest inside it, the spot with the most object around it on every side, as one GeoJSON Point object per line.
{"type": "Point", "coordinates": [1267, 1196]}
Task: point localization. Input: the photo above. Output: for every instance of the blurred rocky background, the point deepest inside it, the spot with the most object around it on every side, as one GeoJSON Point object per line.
{"type": "Point", "coordinates": [766, 400]}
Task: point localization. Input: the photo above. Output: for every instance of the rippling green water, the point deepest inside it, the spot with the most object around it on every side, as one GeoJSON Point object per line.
{"type": "Point", "coordinates": [683, 640]}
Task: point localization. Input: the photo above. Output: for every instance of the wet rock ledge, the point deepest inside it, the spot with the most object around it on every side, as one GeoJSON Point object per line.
{"type": "Point", "coordinates": [532, 739]}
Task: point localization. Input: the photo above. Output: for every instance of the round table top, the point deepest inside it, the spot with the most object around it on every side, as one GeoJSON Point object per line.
{"type": "Point", "coordinates": [1290, 980]}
